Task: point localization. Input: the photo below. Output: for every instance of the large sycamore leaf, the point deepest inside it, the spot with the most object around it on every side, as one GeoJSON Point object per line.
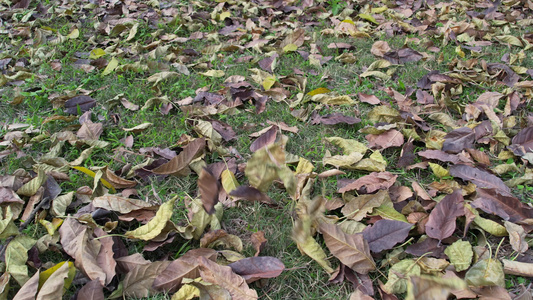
{"type": "Point", "coordinates": [431, 287]}
{"type": "Point", "coordinates": [226, 278]}
{"type": "Point", "coordinates": [154, 227]}
{"type": "Point", "coordinates": [184, 267]}
{"type": "Point", "coordinates": [384, 234]}
{"type": "Point", "coordinates": [351, 249]}
{"type": "Point", "coordinates": [441, 222]}
{"type": "Point", "coordinates": [255, 268]}
{"type": "Point", "coordinates": [507, 207]}
{"type": "Point", "coordinates": [460, 254]}
{"type": "Point", "coordinates": [138, 282]}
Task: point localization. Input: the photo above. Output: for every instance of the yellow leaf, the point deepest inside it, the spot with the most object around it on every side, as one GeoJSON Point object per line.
{"type": "Point", "coordinates": [290, 48]}
{"type": "Point", "coordinates": [224, 15]}
{"type": "Point", "coordinates": [268, 82]}
{"type": "Point", "coordinates": [44, 275]}
{"type": "Point", "coordinates": [378, 10]}
{"type": "Point", "coordinates": [96, 53]}
{"type": "Point", "coordinates": [460, 51]}
{"type": "Point", "coordinates": [368, 18]}
{"type": "Point", "coordinates": [213, 73]}
{"type": "Point", "coordinates": [51, 227]}
{"type": "Point", "coordinates": [438, 170]}
{"type": "Point", "coordinates": [31, 187]}
{"type": "Point", "coordinates": [186, 292]}
{"type": "Point", "coordinates": [92, 174]}
{"type": "Point", "coordinates": [349, 22]}
{"type": "Point", "coordinates": [317, 91]}
{"type": "Point", "coordinates": [304, 166]}
{"type": "Point", "coordinates": [111, 66]}
{"type": "Point", "coordinates": [74, 34]}
{"type": "Point", "coordinates": [154, 227]}
{"type": "Point", "coordinates": [229, 182]}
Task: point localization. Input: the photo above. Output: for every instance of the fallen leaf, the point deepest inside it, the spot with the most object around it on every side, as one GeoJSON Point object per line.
{"type": "Point", "coordinates": [255, 268]}
{"type": "Point", "coordinates": [79, 104]}
{"type": "Point", "coordinates": [351, 249]}
{"type": "Point", "coordinates": [384, 234]}
{"type": "Point", "coordinates": [390, 138]}
{"type": "Point", "coordinates": [372, 182]}
{"type": "Point", "coordinates": [156, 225]}
{"type": "Point", "coordinates": [441, 223]}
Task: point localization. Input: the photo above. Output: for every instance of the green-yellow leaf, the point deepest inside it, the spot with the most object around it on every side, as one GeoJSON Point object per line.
{"type": "Point", "coordinates": [378, 10]}
{"type": "Point", "coordinates": [304, 166]}
{"type": "Point", "coordinates": [399, 274]}
{"type": "Point", "coordinates": [31, 187]}
{"type": "Point", "coordinates": [44, 275]}
{"type": "Point", "coordinates": [154, 227]}
{"type": "Point", "coordinates": [290, 48]}
{"type": "Point", "coordinates": [487, 272]}
{"type": "Point", "coordinates": [111, 66]}
{"type": "Point", "coordinates": [96, 53]}
{"type": "Point", "coordinates": [268, 82]}
{"type": "Point", "coordinates": [348, 146]}
{"type": "Point", "coordinates": [229, 182]}
{"type": "Point", "coordinates": [438, 170]}
{"type": "Point", "coordinates": [460, 254]}
{"type": "Point", "coordinates": [74, 34]}
{"type": "Point", "coordinates": [317, 91]}
{"type": "Point", "coordinates": [368, 18]}
{"type": "Point", "coordinates": [92, 174]}
{"type": "Point", "coordinates": [386, 211]}
{"type": "Point", "coordinates": [16, 256]}
{"type": "Point", "coordinates": [213, 73]}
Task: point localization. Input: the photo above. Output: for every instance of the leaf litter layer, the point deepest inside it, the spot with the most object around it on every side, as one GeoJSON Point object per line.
{"type": "Point", "coordinates": [389, 142]}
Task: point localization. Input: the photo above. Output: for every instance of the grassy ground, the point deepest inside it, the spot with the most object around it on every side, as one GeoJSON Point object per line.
{"type": "Point", "coordinates": [304, 279]}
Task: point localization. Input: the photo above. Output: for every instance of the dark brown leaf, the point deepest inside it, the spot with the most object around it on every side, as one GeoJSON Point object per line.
{"type": "Point", "coordinates": [402, 56]}
{"type": "Point", "coordinates": [505, 206]}
{"type": "Point", "coordinates": [209, 188]}
{"type": "Point", "coordinates": [384, 234]}
{"type": "Point", "coordinates": [407, 156]}
{"type": "Point", "coordinates": [255, 268]}
{"type": "Point", "coordinates": [334, 118]}
{"type": "Point", "coordinates": [522, 142]}
{"type": "Point", "coordinates": [441, 223]}
{"type": "Point", "coordinates": [458, 139]}
{"type": "Point", "coordinates": [266, 63]}
{"type": "Point", "coordinates": [482, 179]}
{"type": "Point", "coordinates": [265, 139]}
{"type": "Point", "coordinates": [180, 163]}
{"type": "Point", "coordinates": [439, 155]}
{"type": "Point", "coordinates": [429, 246]}
{"type": "Point", "coordinates": [83, 102]}
{"type": "Point", "coordinates": [251, 194]}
